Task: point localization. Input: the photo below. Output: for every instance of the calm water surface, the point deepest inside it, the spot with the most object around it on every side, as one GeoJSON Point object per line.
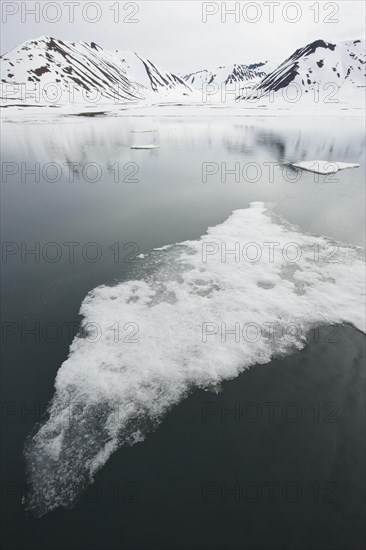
{"type": "Point", "coordinates": [184, 486]}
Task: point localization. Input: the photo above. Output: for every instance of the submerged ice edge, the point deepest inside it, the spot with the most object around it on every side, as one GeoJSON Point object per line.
{"type": "Point", "coordinates": [111, 392]}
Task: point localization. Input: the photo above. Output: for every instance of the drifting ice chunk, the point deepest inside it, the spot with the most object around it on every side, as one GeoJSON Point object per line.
{"type": "Point", "coordinates": [142, 131]}
{"type": "Point", "coordinates": [144, 146]}
{"type": "Point", "coordinates": [323, 166]}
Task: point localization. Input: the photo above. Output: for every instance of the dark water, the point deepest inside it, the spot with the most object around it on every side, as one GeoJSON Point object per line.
{"type": "Point", "coordinates": [208, 478]}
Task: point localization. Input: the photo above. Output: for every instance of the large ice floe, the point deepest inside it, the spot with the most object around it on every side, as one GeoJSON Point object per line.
{"type": "Point", "coordinates": [146, 343]}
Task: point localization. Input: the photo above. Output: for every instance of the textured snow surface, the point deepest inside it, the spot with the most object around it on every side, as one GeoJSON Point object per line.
{"type": "Point", "coordinates": [116, 387]}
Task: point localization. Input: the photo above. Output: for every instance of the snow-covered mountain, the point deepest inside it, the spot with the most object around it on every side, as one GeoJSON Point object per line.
{"type": "Point", "coordinates": [317, 64]}
{"type": "Point", "coordinates": [86, 70]}
{"type": "Point", "coordinates": [47, 71]}
{"type": "Point", "coordinates": [228, 74]}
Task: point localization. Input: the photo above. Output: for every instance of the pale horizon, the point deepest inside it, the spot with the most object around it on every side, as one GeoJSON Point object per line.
{"type": "Point", "coordinates": [193, 44]}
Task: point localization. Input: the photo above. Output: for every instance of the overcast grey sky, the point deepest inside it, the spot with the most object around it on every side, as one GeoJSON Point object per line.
{"type": "Point", "coordinates": [187, 35]}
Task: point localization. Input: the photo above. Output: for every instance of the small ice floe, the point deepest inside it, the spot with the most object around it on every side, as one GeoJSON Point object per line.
{"type": "Point", "coordinates": [323, 166]}
{"type": "Point", "coordinates": [144, 146]}
{"type": "Point", "coordinates": [142, 131]}
{"type": "Point", "coordinates": [92, 113]}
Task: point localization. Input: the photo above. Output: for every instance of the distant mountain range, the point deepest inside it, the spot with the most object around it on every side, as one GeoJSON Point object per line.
{"type": "Point", "coordinates": [89, 70]}
{"type": "Point", "coordinates": [226, 75]}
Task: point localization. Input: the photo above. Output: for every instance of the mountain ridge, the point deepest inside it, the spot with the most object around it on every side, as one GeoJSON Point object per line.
{"type": "Point", "coordinates": [125, 76]}
{"type": "Point", "coordinates": [87, 68]}
{"type": "Point", "coordinates": [317, 63]}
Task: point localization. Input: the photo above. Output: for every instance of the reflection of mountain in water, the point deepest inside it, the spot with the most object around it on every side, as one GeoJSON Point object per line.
{"type": "Point", "coordinates": [287, 143]}
{"type": "Point", "coordinates": [103, 141]}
